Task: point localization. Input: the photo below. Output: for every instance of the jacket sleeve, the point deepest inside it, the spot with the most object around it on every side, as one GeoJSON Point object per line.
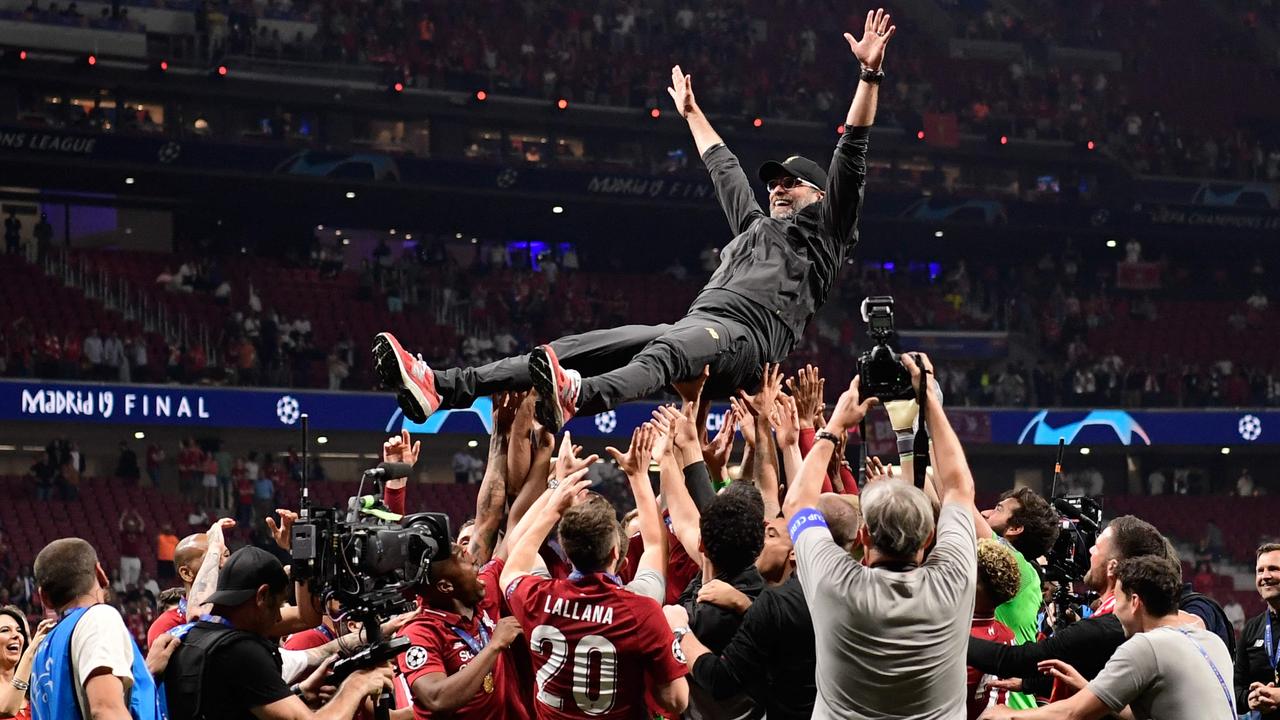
{"type": "Point", "coordinates": [747, 656]}
{"type": "Point", "coordinates": [732, 188]}
{"type": "Point", "coordinates": [1242, 670]}
{"type": "Point", "coordinates": [846, 184]}
{"type": "Point", "coordinates": [1019, 661]}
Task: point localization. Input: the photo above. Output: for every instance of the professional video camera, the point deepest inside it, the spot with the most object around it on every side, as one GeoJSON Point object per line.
{"type": "Point", "coordinates": [1080, 518]}
{"type": "Point", "coordinates": [883, 375]}
{"type": "Point", "coordinates": [368, 560]}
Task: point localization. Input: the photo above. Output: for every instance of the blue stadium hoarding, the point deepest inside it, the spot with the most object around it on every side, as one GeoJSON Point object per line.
{"type": "Point", "coordinates": [280, 409]}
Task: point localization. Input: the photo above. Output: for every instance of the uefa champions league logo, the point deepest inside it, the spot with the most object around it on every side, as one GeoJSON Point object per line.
{"type": "Point", "coordinates": [1250, 427]}
{"type": "Point", "coordinates": [606, 421]}
{"type": "Point", "coordinates": [287, 410]}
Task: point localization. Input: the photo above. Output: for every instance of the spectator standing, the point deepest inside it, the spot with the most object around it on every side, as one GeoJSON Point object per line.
{"type": "Point", "coordinates": [155, 456]}
{"type": "Point", "coordinates": [117, 365]}
{"type": "Point", "coordinates": [127, 465]}
{"type": "Point", "coordinates": [166, 545]}
{"type": "Point", "coordinates": [44, 238]}
{"type": "Point", "coordinates": [42, 474]}
{"type": "Point", "coordinates": [132, 545]}
{"type": "Point", "coordinates": [12, 233]}
{"type": "Point", "coordinates": [94, 354]}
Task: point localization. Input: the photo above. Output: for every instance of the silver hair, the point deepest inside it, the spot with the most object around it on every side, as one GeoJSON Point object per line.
{"type": "Point", "coordinates": [898, 516]}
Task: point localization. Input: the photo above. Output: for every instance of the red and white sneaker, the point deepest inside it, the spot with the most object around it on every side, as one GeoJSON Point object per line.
{"type": "Point", "coordinates": [557, 388]}
{"type": "Point", "coordinates": [408, 375]}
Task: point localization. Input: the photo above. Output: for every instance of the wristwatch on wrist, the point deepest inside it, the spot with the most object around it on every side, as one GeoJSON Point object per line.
{"type": "Point", "coordinates": [20, 684]}
{"type": "Point", "coordinates": [826, 435]}
{"type": "Point", "coordinates": [680, 632]}
{"type": "Point", "coordinates": [872, 77]}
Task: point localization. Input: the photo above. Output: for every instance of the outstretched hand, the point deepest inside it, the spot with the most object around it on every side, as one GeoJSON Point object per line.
{"type": "Point", "coordinates": [635, 461]}
{"type": "Point", "coordinates": [850, 408]}
{"type": "Point", "coordinates": [681, 91]}
{"type": "Point", "coordinates": [870, 49]}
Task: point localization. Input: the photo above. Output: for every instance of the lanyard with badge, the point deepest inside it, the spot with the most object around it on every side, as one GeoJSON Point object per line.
{"type": "Point", "coordinates": [476, 647]}
{"type": "Point", "coordinates": [1273, 652]}
{"type": "Point", "coordinates": [1231, 700]}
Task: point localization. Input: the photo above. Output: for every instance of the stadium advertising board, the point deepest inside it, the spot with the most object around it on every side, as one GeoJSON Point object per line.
{"type": "Point", "coordinates": [280, 409]}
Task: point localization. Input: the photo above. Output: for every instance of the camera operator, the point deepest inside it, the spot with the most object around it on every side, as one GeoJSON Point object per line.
{"type": "Point", "coordinates": [1166, 669]}
{"type": "Point", "coordinates": [89, 666]}
{"type": "Point", "coordinates": [870, 614]}
{"type": "Point", "coordinates": [227, 666]}
{"type": "Point", "coordinates": [1085, 645]}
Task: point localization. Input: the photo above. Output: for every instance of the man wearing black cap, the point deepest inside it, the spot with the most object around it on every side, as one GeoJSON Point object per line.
{"type": "Point", "coordinates": [772, 278]}
{"type": "Point", "coordinates": [227, 666]}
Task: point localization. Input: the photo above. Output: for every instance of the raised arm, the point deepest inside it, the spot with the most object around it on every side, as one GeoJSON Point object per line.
{"type": "Point", "coordinates": [520, 448]}
{"type": "Point", "coordinates": [805, 491]}
{"type": "Point", "coordinates": [846, 178]}
{"type": "Point", "coordinates": [765, 470]}
{"type": "Point", "coordinates": [732, 187]}
{"type": "Point", "coordinates": [206, 580]}
{"type": "Point", "coordinates": [531, 491]}
{"type": "Point", "coordinates": [786, 426]}
{"type": "Point", "coordinates": [567, 487]}
{"type": "Point", "coordinates": [401, 449]}
{"type": "Point", "coordinates": [955, 481]}
{"type": "Point", "coordinates": [635, 463]}
{"type": "Point", "coordinates": [491, 501]}
{"type": "Point", "coordinates": [685, 518]}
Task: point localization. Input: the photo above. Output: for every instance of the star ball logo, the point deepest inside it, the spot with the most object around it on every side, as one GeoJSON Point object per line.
{"type": "Point", "coordinates": [1250, 427]}
{"type": "Point", "coordinates": [287, 410]}
{"type": "Point", "coordinates": [606, 421]}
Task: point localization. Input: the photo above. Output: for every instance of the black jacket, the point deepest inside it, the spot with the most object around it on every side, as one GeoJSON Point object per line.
{"type": "Point", "coordinates": [1086, 645]}
{"type": "Point", "coordinates": [1251, 657]}
{"type": "Point", "coordinates": [788, 266]}
{"type": "Point", "coordinates": [771, 657]}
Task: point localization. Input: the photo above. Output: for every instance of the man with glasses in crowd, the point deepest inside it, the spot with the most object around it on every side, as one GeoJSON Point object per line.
{"type": "Point", "coordinates": [773, 276]}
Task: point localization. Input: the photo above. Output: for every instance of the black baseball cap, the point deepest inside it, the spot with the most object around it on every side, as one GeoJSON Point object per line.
{"type": "Point", "coordinates": [244, 572]}
{"type": "Point", "coordinates": [796, 166]}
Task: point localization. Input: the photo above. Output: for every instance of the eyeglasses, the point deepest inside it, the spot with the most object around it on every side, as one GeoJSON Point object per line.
{"type": "Point", "coordinates": [788, 183]}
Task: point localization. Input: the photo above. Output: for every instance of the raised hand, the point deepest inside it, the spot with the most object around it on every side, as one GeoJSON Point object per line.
{"type": "Point", "coordinates": [807, 387]}
{"type": "Point", "coordinates": [909, 361]}
{"type": "Point", "coordinates": [505, 407]}
{"type": "Point", "coordinates": [683, 430]}
{"type": "Point", "coordinates": [850, 409]}
{"type": "Point", "coordinates": [876, 35]}
{"type": "Point", "coordinates": [568, 462]}
{"type": "Point", "coordinates": [870, 49]}
{"type": "Point", "coordinates": [282, 533]}
{"type": "Point", "coordinates": [786, 421]}
{"type": "Point", "coordinates": [691, 390]}
{"type": "Point", "coordinates": [681, 91]}
{"type": "Point", "coordinates": [401, 449]}
{"type": "Point", "coordinates": [635, 461]}
{"type": "Point", "coordinates": [877, 470]}
{"type": "Point", "coordinates": [770, 386]}
{"type": "Point", "coordinates": [746, 422]}
{"type": "Point", "coordinates": [716, 453]}
{"type": "Point", "coordinates": [568, 491]}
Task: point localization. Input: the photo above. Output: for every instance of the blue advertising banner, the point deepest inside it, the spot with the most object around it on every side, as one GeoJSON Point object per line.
{"type": "Point", "coordinates": [280, 409]}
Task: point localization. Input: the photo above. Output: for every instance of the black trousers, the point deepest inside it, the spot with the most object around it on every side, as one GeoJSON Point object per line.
{"type": "Point", "coordinates": [626, 363]}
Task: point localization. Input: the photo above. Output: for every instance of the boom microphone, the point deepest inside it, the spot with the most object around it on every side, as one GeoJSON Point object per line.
{"type": "Point", "coordinates": [390, 471]}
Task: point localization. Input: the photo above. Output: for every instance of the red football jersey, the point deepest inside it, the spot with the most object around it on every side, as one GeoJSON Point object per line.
{"type": "Point", "coordinates": [981, 696]}
{"type": "Point", "coordinates": [438, 647]}
{"type": "Point", "coordinates": [168, 620]}
{"type": "Point", "coordinates": [680, 567]}
{"type": "Point", "coordinates": [308, 639]}
{"type": "Point", "coordinates": [593, 644]}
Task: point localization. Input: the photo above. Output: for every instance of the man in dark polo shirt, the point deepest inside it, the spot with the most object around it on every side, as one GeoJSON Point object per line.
{"type": "Point", "coordinates": [773, 276]}
{"type": "Point", "coordinates": [1258, 651]}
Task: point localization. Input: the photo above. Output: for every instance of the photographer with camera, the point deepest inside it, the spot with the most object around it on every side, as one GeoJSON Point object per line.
{"type": "Point", "coordinates": [228, 667]}
{"type": "Point", "coordinates": [1086, 645]}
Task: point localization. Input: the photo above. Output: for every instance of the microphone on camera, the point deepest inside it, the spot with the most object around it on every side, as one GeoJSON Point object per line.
{"type": "Point", "coordinates": [389, 471]}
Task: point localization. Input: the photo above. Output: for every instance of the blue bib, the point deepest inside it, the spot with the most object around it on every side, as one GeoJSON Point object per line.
{"type": "Point", "coordinates": [53, 695]}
